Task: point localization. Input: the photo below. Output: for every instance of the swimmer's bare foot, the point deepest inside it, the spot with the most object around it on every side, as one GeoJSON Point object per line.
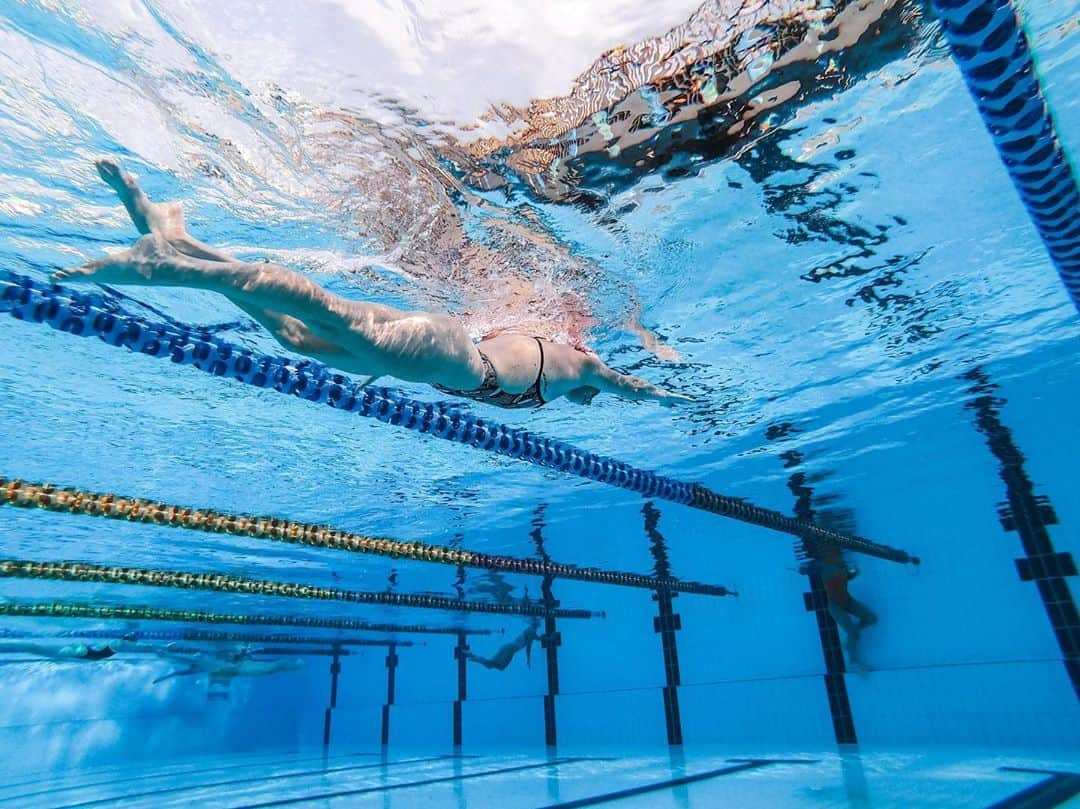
{"type": "Point", "coordinates": [142, 264]}
{"type": "Point", "coordinates": [163, 218]}
{"type": "Point", "coordinates": [148, 217]}
{"type": "Point", "coordinates": [858, 667]}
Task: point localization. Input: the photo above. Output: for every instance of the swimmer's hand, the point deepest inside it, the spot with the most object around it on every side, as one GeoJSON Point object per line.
{"type": "Point", "coordinates": [671, 399]}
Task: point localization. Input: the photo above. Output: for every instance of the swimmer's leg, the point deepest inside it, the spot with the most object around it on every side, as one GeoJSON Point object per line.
{"type": "Point", "coordinates": [25, 647]}
{"type": "Point", "coordinates": [178, 673]}
{"type": "Point", "coordinates": [867, 617]}
{"type": "Point", "coordinates": [650, 340]}
{"type": "Point", "coordinates": [845, 621]}
{"type": "Point", "coordinates": [167, 220]}
{"type": "Point", "coordinates": [498, 662]}
{"type": "Point", "coordinates": [414, 346]}
{"type": "Point", "coordinates": [483, 661]}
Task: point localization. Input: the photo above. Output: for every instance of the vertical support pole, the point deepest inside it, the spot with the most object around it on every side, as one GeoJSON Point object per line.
{"type": "Point", "coordinates": [552, 640]}
{"type": "Point", "coordinates": [391, 669]}
{"type": "Point", "coordinates": [551, 643]}
{"type": "Point", "coordinates": [335, 670]}
{"type": "Point", "coordinates": [666, 623]}
{"type": "Point", "coordinates": [1029, 515]}
{"type": "Point", "coordinates": [460, 651]}
{"type": "Point", "coordinates": [817, 602]}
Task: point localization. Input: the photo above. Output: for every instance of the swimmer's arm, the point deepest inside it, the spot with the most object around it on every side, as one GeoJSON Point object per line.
{"type": "Point", "coordinates": [626, 386]}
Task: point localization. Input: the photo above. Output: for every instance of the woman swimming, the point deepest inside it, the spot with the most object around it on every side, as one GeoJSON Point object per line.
{"type": "Point", "coordinates": [506, 653]}
{"type": "Point", "coordinates": [508, 370]}
{"type": "Point", "coordinates": [223, 665]}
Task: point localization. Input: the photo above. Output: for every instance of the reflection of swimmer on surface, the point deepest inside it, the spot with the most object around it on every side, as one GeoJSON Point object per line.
{"type": "Point", "coordinates": [850, 614]}
{"type": "Point", "coordinates": [508, 370]}
{"type": "Point", "coordinates": [506, 653]}
{"type": "Point", "coordinates": [222, 667]}
{"type": "Point", "coordinates": [494, 585]}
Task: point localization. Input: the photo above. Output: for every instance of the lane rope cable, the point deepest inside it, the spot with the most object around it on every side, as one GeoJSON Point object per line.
{"type": "Point", "coordinates": [992, 51]}
{"type": "Point", "coordinates": [119, 507]}
{"type": "Point", "coordinates": [225, 583]}
{"type": "Point", "coordinates": [76, 313]}
{"type": "Point", "coordinates": [67, 609]}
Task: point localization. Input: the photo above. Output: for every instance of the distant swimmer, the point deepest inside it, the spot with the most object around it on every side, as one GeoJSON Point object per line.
{"type": "Point", "coordinates": [506, 653]}
{"type": "Point", "coordinates": [850, 614]}
{"type": "Point", "coordinates": [71, 651]}
{"type": "Point", "coordinates": [224, 667]}
{"type": "Point", "coordinates": [506, 370]}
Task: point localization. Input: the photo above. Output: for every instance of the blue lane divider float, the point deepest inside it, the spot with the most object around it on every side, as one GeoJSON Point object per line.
{"type": "Point", "coordinates": [84, 315]}
{"type": "Point", "coordinates": [992, 51]}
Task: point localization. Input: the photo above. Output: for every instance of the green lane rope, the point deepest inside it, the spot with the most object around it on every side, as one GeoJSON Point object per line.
{"type": "Point", "coordinates": [224, 583]}
{"type": "Point", "coordinates": [118, 507]}
{"type": "Point", "coordinates": [62, 609]}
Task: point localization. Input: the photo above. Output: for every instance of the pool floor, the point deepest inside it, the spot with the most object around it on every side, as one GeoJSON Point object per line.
{"type": "Point", "coordinates": [667, 779]}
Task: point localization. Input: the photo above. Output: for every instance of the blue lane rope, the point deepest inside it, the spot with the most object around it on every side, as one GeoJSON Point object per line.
{"type": "Point", "coordinates": [992, 51]}
{"type": "Point", "coordinates": [70, 311]}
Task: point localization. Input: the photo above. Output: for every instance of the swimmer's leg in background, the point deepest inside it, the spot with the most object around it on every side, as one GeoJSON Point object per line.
{"type": "Point", "coordinates": [867, 617]}
{"type": "Point", "coordinates": [650, 340]}
{"type": "Point", "coordinates": [178, 673]}
{"type": "Point", "coordinates": [498, 661]}
{"type": "Point", "coordinates": [846, 621]}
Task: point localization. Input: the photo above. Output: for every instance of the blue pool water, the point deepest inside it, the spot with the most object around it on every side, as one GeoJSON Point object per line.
{"type": "Point", "coordinates": [825, 253]}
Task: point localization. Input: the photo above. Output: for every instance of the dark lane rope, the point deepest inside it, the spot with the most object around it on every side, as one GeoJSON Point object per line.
{"type": "Point", "coordinates": [65, 609]}
{"type": "Point", "coordinates": [224, 583]}
{"type": "Point", "coordinates": [207, 636]}
{"type": "Point", "coordinates": [76, 313]}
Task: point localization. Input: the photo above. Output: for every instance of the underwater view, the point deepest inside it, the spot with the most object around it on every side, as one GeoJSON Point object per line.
{"type": "Point", "coordinates": [477, 403]}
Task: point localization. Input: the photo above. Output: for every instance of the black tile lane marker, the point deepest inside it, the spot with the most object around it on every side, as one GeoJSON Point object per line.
{"type": "Point", "coordinates": [323, 796]}
{"type": "Point", "coordinates": [817, 603]}
{"type": "Point", "coordinates": [1050, 792]}
{"type": "Point", "coordinates": [173, 772]}
{"type": "Point", "coordinates": [666, 624]}
{"type": "Point", "coordinates": [460, 650]}
{"type": "Point", "coordinates": [1029, 515]}
{"type": "Point", "coordinates": [552, 640]}
{"type": "Point", "coordinates": [335, 672]}
{"type": "Point", "coordinates": [153, 793]}
{"type": "Point", "coordinates": [740, 765]}
{"type": "Point", "coordinates": [177, 766]}
{"type": "Point", "coordinates": [391, 669]}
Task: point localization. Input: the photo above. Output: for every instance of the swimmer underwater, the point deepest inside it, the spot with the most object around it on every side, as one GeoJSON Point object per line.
{"type": "Point", "coordinates": [508, 370]}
